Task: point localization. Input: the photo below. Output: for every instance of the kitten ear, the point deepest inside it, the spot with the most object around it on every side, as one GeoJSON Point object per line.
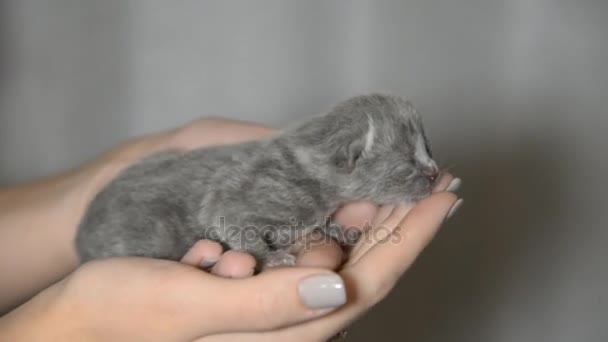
{"type": "Point", "coordinates": [354, 148]}
{"type": "Point", "coordinates": [347, 155]}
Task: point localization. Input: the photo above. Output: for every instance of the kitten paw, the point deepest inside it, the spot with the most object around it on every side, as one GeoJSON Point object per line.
{"type": "Point", "coordinates": [346, 237]}
{"type": "Point", "coordinates": [278, 259]}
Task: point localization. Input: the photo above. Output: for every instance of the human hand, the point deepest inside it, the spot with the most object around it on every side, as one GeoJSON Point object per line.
{"type": "Point", "coordinates": [56, 299]}
{"type": "Point", "coordinates": [328, 255]}
{"type": "Point", "coordinates": [398, 235]}
{"type": "Point", "coordinates": [148, 299]}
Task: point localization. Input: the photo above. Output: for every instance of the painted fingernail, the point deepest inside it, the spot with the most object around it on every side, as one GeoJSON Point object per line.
{"type": "Point", "coordinates": [454, 185]}
{"type": "Point", "coordinates": [454, 208]}
{"type": "Point", "coordinates": [323, 291]}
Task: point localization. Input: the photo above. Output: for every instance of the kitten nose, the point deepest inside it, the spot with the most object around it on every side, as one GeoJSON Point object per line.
{"type": "Point", "coordinates": [432, 173]}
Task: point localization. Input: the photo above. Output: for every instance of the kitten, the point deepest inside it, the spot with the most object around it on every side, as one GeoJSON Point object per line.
{"type": "Point", "coordinates": [248, 196]}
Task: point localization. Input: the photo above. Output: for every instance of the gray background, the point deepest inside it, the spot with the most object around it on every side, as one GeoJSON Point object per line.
{"type": "Point", "coordinates": [514, 95]}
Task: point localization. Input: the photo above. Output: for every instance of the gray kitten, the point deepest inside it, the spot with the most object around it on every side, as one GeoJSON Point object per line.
{"type": "Point", "coordinates": [259, 196]}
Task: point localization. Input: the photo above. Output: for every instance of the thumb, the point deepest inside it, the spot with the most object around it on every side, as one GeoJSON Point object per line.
{"type": "Point", "coordinates": [274, 299]}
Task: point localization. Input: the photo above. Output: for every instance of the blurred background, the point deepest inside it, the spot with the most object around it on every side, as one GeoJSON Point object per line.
{"type": "Point", "coordinates": [513, 94]}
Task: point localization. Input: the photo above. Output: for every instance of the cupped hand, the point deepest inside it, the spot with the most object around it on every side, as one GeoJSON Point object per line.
{"type": "Point", "coordinates": [328, 255]}
{"type": "Point", "coordinates": [396, 235]}
{"type": "Point", "coordinates": [147, 299]}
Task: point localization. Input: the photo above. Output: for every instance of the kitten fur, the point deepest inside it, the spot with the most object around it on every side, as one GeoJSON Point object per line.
{"type": "Point", "coordinates": [248, 196]}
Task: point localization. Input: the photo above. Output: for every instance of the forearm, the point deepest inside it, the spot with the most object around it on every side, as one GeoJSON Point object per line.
{"type": "Point", "coordinates": [37, 225]}
{"type": "Point", "coordinates": [38, 222]}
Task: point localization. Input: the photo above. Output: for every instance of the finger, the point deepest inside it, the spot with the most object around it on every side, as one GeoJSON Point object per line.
{"type": "Point", "coordinates": [379, 232]}
{"type": "Point", "coordinates": [454, 185]}
{"type": "Point", "coordinates": [268, 301]}
{"type": "Point", "coordinates": [319, 250]}
{"type": "Point", "coordinates": [216, 131]}
{"type": "Point", "coordinates": [400, 249]}
{"type": "Point", "coordinates": [204, 254]}
{"type": "Point", "coordinates": [355, 214]}
{"type": "Point", "coordinates": [398, 214]}
{"type": "Point", "coordinates": [382, 214]}
{"type": "Point", "coordinates": [388, 217]}
{"type": "Point", "coordinates": [444, 182]}
{"type": "Point", "coordinates": [234, 264]}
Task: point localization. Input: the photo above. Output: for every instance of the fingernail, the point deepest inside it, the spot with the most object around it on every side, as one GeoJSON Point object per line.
{"type": "Point", "coordinates": [454, 185]}
{"type": "Point", "coordinates": [323, 291]}
{"type": "Point", "coordinates": [454, 208]}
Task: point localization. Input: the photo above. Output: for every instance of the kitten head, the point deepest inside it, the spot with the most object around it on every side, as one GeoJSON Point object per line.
{"type": "Point", "coordinates": [377, 147]}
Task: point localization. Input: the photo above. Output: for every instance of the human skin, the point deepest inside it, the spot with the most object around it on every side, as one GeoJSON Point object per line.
{"type": "Point", "coordinates": [38, 223]}
{"type": "Point", "coordinates": [38, 220]}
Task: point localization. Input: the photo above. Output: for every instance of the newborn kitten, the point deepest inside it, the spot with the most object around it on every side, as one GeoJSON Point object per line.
{"type": "Point", "coordinates": [259, 196]}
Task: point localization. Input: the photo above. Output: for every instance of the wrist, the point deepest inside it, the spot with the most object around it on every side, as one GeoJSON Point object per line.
{"type": "Point", "coordinates": [42, 318]}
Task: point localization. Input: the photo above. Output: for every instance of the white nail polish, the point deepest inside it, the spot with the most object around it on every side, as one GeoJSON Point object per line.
{"type": "Point", "coordinates": [323, 291]}
{"type": "Point", "coordinates": [454, 208]}
{"type": "Point", "coordinates": [454, 185]}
